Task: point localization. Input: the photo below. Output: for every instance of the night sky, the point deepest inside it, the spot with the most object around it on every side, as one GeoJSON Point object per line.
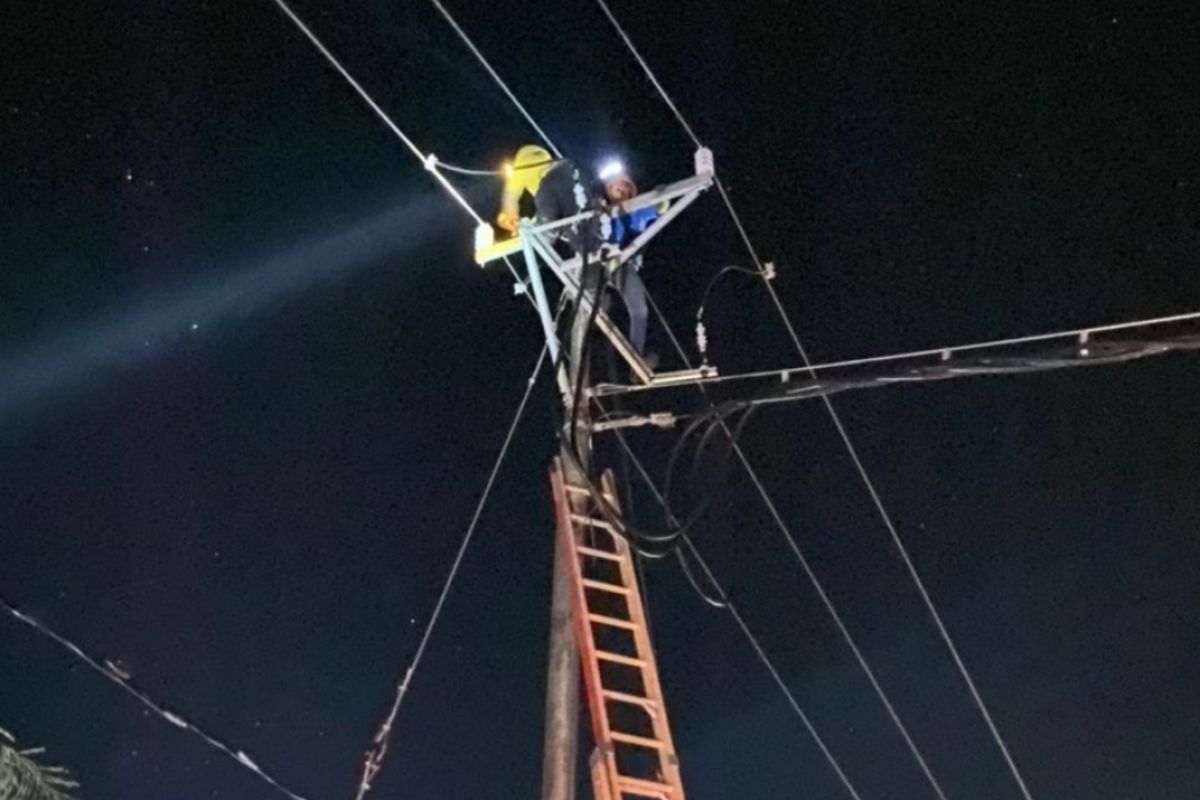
{"type": "Point", "coordinates": [251, 385]}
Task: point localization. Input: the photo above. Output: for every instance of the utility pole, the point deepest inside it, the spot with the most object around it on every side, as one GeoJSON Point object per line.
{"type": "Point", "coordinates": [598, 623]}
{"type": "Point", "coordinates": [561, 742]}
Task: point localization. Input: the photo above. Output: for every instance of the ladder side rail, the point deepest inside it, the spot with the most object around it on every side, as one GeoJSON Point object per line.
{"type": "Point", "coordinates": [645, 649]}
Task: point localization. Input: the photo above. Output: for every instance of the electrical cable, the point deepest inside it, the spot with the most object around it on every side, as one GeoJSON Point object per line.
{"type": "Point", "coordinates": [724, 602]}
{"type": "Point", "coordinates": [428, 161]}
{"type": "Point", "coordinates": [1083, 335]}
{"type": "Point", "coordinates": [474, 173]}
{"type": "Point", "coordinates": [852, 451]}
{"type": "Point", "coordinates": [493, 173]}
{"type": "Point", "coordinates": [823, 596]}
{"type": "Point", "coordinates": [379, 747]}
{"type": "Point", "coordinates": [496, 77]}
{"type": "Point", "coordinates": [125, 682]}
{"type": "Point", "coordinates": [1095, 353]}
{"type": "Point", "coordinates": [708, 287]}
{"type": "Point", "coordinates": [649, 73]}
{"type": "Point", "coordinates": [635, 538]}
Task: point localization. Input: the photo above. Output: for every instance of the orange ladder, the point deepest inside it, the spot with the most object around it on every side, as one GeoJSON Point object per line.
{"type": "Point", "coordinates": [634, 755]}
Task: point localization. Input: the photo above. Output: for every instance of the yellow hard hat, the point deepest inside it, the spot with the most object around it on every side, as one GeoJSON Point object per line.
{"type": "Point", "coordinates": [530, 156]}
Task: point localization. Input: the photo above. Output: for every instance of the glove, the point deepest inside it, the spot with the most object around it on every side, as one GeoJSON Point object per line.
{"type": "Point", "coordinates": [507, 222]}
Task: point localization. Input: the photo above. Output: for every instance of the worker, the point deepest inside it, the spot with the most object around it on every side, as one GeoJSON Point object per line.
{"type": "Point", "coordinates": [560, 190]}
{"type": "Point", "coordinates": [627, 279]}
{"type": "Point", "coordinates": [525, 173]}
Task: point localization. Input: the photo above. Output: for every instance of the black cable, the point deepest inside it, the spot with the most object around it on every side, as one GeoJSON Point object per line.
{"type": "Point", "coordinates": [718, 417]}
{"type": "Point", "coordinates": [713, 282]}
{"type": "Point", "coordinates": [633, 536]}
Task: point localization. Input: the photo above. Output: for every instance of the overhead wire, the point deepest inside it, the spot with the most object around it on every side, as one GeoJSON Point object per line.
{"type": "Point", "coordinates": [468, 171]}
{"type": "Point", "coordinates": [379, 747]}
{"type": "Point", "coordinates": [496, 77]}
{"type": "Point", "coordinates": [113, 675]}
{"type": "Point", "coordinates": [1093, 354]}
{"type": "Point", "coordinates": [428, 160]}
{"type": "Point", "coordinates": [722, 601]}
{"type": "Point", "coordinates": [810, 574]}
{"type": "Point", "coordinates": [850, 448]}
{"type": "Point", "coordinates": [784, 375]}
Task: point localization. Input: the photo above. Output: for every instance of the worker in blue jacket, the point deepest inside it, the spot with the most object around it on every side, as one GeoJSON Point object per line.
{"type": "Point", "coordinates": [628, 280]}
{"type": "Point", "coordinates": [560, 190]}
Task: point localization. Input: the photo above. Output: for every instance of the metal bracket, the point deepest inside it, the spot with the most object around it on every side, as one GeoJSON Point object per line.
{"type": "Point", "coordinates": [536, 243]}
{"type": "Point", "coordinates": [661, 419]}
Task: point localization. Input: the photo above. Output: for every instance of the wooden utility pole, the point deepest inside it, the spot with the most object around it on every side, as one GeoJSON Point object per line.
{"type": "Point", "coordinates": [598, 624]}
{"type": "Point", "coordinates": [561, 740]}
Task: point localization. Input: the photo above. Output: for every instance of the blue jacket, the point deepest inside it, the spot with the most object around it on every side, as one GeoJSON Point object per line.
{"type": "Point", "coordinates": [632, 223]}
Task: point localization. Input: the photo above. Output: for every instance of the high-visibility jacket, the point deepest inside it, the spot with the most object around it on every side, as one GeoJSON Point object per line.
{"type": "Point", "coordinates": [529, 166]}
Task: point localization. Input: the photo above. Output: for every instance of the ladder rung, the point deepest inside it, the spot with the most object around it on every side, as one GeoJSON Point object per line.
{"type": "Point", "coordinates": [641, 741]}
{"type": "Point", "coordinates": [644, 787]}
{"type": "Point", "coordinates": [592, 522]}
{"type": "Point", "coordinates": [595, 553]}
{"type": "Point", "coordinates": [613, 622]}
{"type": "Point", "coordinates": [631, 699]}
{"type": "Point", "coordinates": [615, 588]}
{"type": "Point", "coordinates": [617, 658]}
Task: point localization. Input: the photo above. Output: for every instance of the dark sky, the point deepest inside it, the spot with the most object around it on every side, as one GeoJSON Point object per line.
{"type": "Point", "coordinates": [251, 385]}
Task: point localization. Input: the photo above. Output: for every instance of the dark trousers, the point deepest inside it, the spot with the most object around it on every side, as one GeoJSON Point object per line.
{"type": "Point", "coordinates": [633, 292]}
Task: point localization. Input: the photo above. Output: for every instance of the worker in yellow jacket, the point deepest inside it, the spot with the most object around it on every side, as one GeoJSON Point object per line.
{"type": "Point", "coordinates": [557, 186]}
{"type": "Point", "coordinates": [559, 191]}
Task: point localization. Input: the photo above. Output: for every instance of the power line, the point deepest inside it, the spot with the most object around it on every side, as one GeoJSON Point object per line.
{"type": "Point", "coordinates": [474, 173]}
{"type": "Point", "coordinates": [379, 747]}
{"type": "Point", "coordinates": [822, 595]}
{"type": "Point", "coordinates": [496, 77]}
{"type": "Point", "coordinates": [727, 604]}
{"type": "Point", "coordinates": [879, 690]}
{"type": "Point", "coordinates": [428, 161]}
{"type": "Point", "coordinates": [886, 516]}
{"type": "Point", "coordinates": [662, 92]}
{"type": "Point", "coordinates": [1093, 354]}
{"type": "Point", "coordinates": [1079, 334]}
{"type": "Point", "coordinates": [114, 675]}
{"type": "Point", "coordinates": [853, 452]}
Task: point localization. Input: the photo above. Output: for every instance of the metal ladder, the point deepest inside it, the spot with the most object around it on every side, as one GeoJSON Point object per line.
{"type": "Point", "coordinates": [634, 755]}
